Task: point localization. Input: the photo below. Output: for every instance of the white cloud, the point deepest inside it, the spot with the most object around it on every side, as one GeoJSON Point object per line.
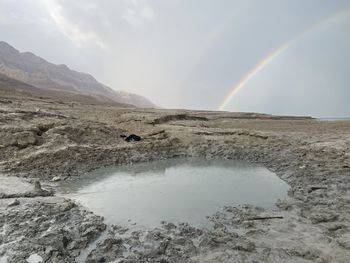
{"type": "Point", "coordinates": [78, 35]}
{"type": "Point", "coordinates": [138, 13]}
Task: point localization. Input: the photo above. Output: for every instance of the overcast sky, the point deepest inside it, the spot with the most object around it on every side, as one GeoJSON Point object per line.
{"type": "Point", "coordinates": [191, 53]}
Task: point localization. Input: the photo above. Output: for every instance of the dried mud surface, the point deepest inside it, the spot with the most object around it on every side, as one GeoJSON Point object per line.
{"type": "Point", "coordinates": [50, 141]}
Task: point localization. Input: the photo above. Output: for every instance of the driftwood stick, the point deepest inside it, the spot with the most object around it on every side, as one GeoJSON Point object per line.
{"type": "Point", "coordinates": [156, 133]}
{"type": "Point", "coordinates": [316, 187]}
{"type": "Point", "coordinates": [313, 188]}
{"type": "Point", "coordinates": [264, 218]}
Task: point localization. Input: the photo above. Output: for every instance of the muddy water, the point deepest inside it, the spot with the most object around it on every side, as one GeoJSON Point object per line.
{"type": "Point", "coordinates": [179, 190]}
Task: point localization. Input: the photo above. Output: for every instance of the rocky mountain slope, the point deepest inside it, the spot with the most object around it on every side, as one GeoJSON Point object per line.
{"type": "Point", "coordinates": [10, 86]}
{"type": "Point", "coordinates": [37, 72]}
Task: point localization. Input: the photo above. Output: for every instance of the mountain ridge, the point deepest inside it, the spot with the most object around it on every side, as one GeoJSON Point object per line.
{"type": "Point", "coordinates": [38, 72]}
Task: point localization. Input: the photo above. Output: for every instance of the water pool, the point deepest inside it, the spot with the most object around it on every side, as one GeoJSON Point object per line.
{"type": "Point", "coordinates": [176, 190]}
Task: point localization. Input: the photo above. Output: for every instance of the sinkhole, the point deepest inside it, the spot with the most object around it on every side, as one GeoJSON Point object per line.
{"type": "Point", "coordinates": [175, 190]}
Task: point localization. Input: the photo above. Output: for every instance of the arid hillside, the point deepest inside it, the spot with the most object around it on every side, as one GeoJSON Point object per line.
{"type": "Point", "coordinates": [37, 72]}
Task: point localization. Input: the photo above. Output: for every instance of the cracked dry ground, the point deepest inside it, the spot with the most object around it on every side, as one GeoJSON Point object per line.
{"type": "Point", "coordinates": [42, 139]}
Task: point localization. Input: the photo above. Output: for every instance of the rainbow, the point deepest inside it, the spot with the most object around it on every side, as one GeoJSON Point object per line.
{"type": "Point", "coordinates": [274, 54]}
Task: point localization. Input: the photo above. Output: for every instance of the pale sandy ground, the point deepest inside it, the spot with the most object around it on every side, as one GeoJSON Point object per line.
{"type": "Point", "coordinates": [46, 139]}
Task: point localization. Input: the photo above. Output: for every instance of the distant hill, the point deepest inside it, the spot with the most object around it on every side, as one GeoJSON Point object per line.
{"type": "Point", "coordinates": [10, 87]}
{"type": "Point", "coordinates": [36, 72]}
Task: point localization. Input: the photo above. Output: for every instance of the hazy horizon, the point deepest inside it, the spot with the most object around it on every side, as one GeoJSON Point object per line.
{"type": "Point", "coordinates": [192, 54]}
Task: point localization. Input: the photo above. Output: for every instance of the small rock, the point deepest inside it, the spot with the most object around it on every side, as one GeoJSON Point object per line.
{"type": "Point", "coordinates": [13, 203]}
{"type": "Point", "coordinates": [26, 138]}
{"type": "Point", "coordinates": [38, 191]}
{"type": "Point", "coordinates": [37, 186]}
{"type": "Point", "coordinates": [245, 245]}
{"type": "Point", "coordinates": [305, 252]}
{"type": "Point", "coordinates": [323, 217]}
{"type": "Point", "coordinates": [34, 258]}
{"type": "Point", "coordinates": [344, 241]}
{"type": "Point", "coordinates": [48, 250]}
{"type": "Point", "coordinates": [56, 179]}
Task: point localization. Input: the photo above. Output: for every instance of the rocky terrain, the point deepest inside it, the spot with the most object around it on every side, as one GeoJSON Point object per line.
{"type": "Point", "coordinates": [49, 141]}
{"type": "Point", "coordinates": [58, 80]}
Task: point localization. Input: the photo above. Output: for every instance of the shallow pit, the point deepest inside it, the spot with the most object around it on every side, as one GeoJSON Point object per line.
{"type": "Point", "coordinates": [176, 190]}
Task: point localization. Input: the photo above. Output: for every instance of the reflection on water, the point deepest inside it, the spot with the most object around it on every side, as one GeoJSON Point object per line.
{"type": "Point", "coordinates": [178, 190]}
